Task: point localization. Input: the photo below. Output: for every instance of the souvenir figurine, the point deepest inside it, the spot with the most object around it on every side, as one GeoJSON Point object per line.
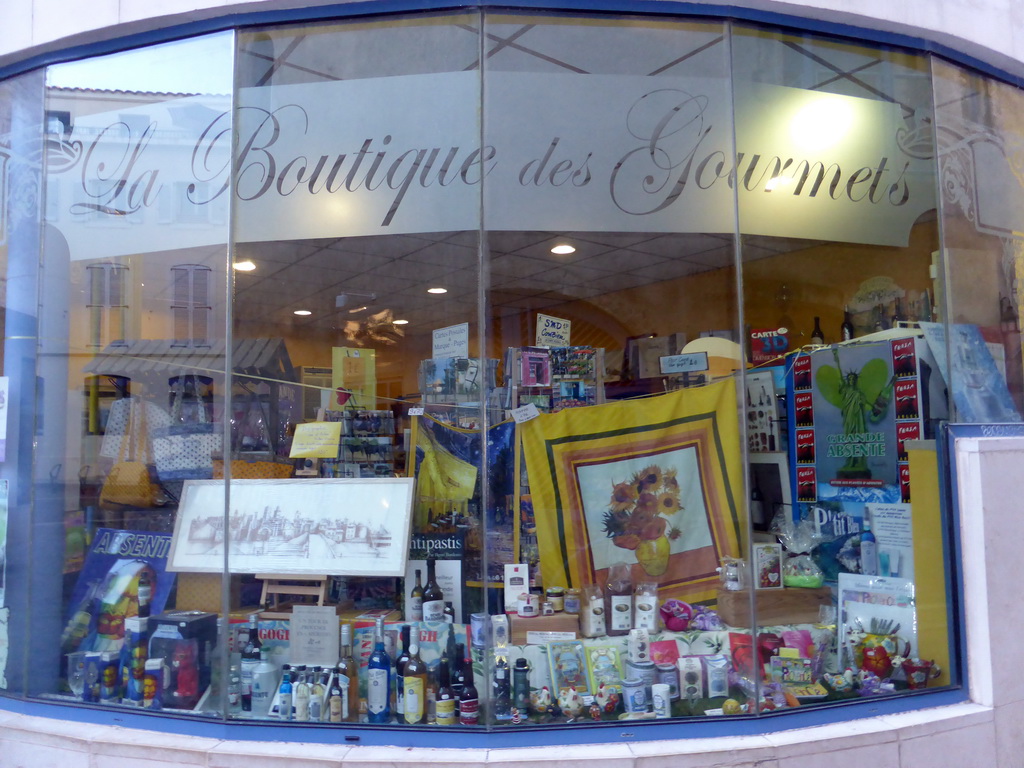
{"type": "Point", "coordinates": [595, 711]}
{"type": "Point", "coordinates": [607, 698]}
{"type": "Point", "coordinates": [541, 701]}
{"type": "Point", "coordinates": [569, 702]}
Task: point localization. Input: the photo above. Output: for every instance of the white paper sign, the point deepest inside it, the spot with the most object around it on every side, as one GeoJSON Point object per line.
{"type": "Point", "coordinates": [894, 539]}
{"type": "Point", "coordinates": [692, 362]}
{"type": "Point", "coordinates": [552, 331]}
{"type": "Point", "coordinates": [452, 341]}
{"type": "Point", "coordinates": [416, 411]}
{"type": "Point", "coordinates": [524, 413]}
{"type": "Point", "coordinates": [542, 637]}
{"type": "Point", "coordinates": [313, 635]}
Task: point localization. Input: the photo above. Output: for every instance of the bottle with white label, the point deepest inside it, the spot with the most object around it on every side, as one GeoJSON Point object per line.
{"type": "Point", "coordinates": [414, 681]}
{"type": "Point", "coordinates": [264, 683]}
{"type": "Point", "coordinates": [302, 695]}
{"type": "Point", "coordinates": [433, 597]}
{"type": "Point", "coordinates": [414, 608]}
{"type": "Point", "coordinates": [868, 549]}
{"type": "Point", "coordinates": [378, 678]}
{"type": "Point", "coordinates": [284, 694]}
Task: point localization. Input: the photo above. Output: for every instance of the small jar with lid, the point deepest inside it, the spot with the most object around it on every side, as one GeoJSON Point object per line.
{"type": "Point", "coordinates": [555, 596]}
{"type": "Point", "coordinates": [572, 601]}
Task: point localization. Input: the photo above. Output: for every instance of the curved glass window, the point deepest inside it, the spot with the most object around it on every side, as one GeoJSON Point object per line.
{"type": "Point", "coordinates": [478, 369]}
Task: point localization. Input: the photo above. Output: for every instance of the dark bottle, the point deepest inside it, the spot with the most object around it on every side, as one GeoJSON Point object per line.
{"type": "Point", "coordinates": [378, 679]}
{"type": "Point", "coordinates": [400, 663]}
{"type": "Point", "coordinates": [449, 612]}
{"type": "Point", "coordinates": [469, 701]}
{"type": "Point", "coordinates": [415, 682]}
{"type": "Point", "coordinates": [521, 686]}
{"type": "Point", "coordinates": [846, 329]}
{"type": "Point", "coordinates": [458, 670]}
{"type": "Point", "coordinates": [250, 660]}
{"type": "Point", "coordinates": [337, 704]}
{"type": "Point", "coordinates": [817, 336]}
{"type": "Point", "coordinates": [501, 692]}
{"type": "Point", "coordinates": [898, 316]}
{"type": "Point", "coordinates": [446, 712]}
{"type": "Point", "coordinates": [433, 597]}
{"type": "Point", "coordinates": [415, 607]}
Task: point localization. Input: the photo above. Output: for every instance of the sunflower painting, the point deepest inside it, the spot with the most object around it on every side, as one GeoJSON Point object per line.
{"type": "Point", "coordinates": [654, 483]}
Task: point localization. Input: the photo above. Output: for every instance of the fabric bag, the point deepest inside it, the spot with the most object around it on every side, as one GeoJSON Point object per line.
{"type": "Point", "coordinates": [128, 484]}
{"type": "Point", "coordinates": [184, 451]}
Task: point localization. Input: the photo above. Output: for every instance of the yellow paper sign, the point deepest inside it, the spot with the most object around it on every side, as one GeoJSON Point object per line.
{"type": "Point", "coordinates": [316, 440]}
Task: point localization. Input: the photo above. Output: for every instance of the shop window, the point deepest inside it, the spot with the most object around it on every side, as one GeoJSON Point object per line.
{"type": "Point", "coordinates": [108, 303]}
{"type": "Point", "coordinates": [190, 307]}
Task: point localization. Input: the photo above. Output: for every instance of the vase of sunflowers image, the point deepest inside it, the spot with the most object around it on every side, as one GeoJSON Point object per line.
{"type": "Point", "coordinates": [639, 516]}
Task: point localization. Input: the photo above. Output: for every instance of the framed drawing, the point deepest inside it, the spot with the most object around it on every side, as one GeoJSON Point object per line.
{"type": "Point", "coordinates": [314, 526]}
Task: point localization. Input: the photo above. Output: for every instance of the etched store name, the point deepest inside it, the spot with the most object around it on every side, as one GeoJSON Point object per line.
{"type": "Point", "coordinates": [657, 168]}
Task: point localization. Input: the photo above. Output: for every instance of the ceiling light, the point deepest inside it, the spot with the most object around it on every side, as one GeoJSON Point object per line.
{"type": "Point", "coordinates": [401, 322]}
{"type": "Point", "coordinates": [437, 290]}
{"type": "Point", "coordinates": [563, 250]}
{"type": "Point", "coordinates": [244, 266]}
{"type": "Point", "coordinates": [302, 312]}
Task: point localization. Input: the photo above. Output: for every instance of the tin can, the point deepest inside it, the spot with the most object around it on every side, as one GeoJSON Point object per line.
{"type": "Point", "coordinates": [634, 695]}
{"type": "Point", "coordinates": [644, 671]}
{"type": "Point", "coordinates": [556, 596]}
{"type": "Point", "coordinates": [667, 674]}
{"type": "Point", "coordinates": [660, 700]}
{"type": "Point", "coordinates": [478, 629]}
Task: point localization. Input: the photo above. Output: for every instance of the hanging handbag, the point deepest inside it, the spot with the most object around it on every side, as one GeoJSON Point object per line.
{"type": "Point", "coordinates": [184, 451]}
{"type": "Point", "coordinates": [128, 484]}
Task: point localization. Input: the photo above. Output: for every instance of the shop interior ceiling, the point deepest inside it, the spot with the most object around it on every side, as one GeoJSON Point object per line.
{"type": "Point", "coordinates": [525, 276]}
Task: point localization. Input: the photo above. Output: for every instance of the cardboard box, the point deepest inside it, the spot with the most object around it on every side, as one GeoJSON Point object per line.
{"type": "Point", "coordinates": [556, 622]}
{"type": "Point", "coordinates": [790, 605]}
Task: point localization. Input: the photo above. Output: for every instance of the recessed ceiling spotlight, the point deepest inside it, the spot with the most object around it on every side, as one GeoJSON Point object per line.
{"type": "Point", "coordinates": [437, 290]}
{"type": "Point", "coordinates": [302, 312]}
{"type": "Point", "coordinates": [564, 249]}
{"type": "Point", "coordinates": [244, 266]}
{"type": "Point", "coordinates": [401, 322]}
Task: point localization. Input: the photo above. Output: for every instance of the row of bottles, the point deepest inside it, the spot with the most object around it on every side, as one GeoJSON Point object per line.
{"type": "Point", "coordinates": [881, 319]}
{"type": "Point", "coordinates": [427, 603]}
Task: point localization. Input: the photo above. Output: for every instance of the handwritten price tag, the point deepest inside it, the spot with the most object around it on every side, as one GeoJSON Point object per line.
{"type": "Point", "coordinates": [416, 411]}
{"type": "Point", "coordinates": [525, 413]}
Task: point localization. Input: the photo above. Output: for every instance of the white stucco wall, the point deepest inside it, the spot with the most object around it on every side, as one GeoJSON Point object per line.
{"type": "Point", "coordinates": [989, 30]}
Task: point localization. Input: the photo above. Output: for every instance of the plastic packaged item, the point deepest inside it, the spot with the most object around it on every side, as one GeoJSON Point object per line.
{"type": "Point", "coordinates": [619, 599]}
{"type": "Point", "coordinates": [592, 619]}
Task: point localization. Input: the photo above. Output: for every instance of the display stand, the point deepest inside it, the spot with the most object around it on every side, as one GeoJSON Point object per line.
{"type": "Point", "coordinates": [554, 378]}
{"type": "Point", "coordinates": [275, 585]}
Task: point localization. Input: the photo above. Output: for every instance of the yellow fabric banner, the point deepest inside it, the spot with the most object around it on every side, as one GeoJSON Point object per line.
{"type": "Point", "coordinates": [656, 483]}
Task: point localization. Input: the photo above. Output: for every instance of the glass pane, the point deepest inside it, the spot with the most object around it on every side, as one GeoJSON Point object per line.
{"type": "Point", "coordinates": [612, 301]}
{"type": "Point", "coordinates": [23, 555]}
{"type": "Point", "coordinates": [836, 187]}
{"type": "Point", "coordinates": [978, 125]}
{"type": "Point", "coordinates": [134, 381]}
{"type": "Point", "coordinates": [357, 185]}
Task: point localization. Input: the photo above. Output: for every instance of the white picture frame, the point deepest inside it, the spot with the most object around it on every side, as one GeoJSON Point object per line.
{"type": "Point", "coordinates": [301, 526]}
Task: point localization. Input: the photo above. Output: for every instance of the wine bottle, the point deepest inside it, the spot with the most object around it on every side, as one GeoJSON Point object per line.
{"type": "Point", "coordinates": [449, 612]}
{"type": "Point", "coordinates": [898, 316]}
{"type": "Point", "coordinates": [415, 683]}
{"type": "Point", "coordinates": [337, 703]}
{"type": "Point", "coordinates": [284, 697]}
{"type": "Point", "coordinates": [846, 329]}
{"type": "Point", "coordinates": [458, 670]}
{"type": "Point", "coordinates": [378, 678]}
{"type": "Point", "coordinates": [469, 701]}
{"type": "Point", "coordinates": [817, 335]}
{"type": "Point", "coordinates": [400, 663]}
{"type": "Point", "coordinates": [348, 677]}
{"type": "Point", "coordinates": [868, 549]}
{"type": "Point", "coordinates": [446, 704]}
{"type": "Point", "coordinates": [250, 660]}
{"type": "Point", "coordinates": [414, 610]}
{"type": "Point", "coordinates": [433, 597]}
{"type": "Point", "coordinates": [317, 692]}
{"type": "Point", "coordinates": [302, 694]}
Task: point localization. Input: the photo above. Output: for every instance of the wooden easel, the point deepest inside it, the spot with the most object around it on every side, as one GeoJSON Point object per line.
{"type": "Point", "coordinates": [277, 584]}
